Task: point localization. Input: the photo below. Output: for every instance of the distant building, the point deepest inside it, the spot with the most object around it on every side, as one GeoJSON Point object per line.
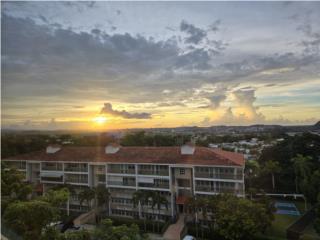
{"type": "Point", "coordinates": [175, 172]}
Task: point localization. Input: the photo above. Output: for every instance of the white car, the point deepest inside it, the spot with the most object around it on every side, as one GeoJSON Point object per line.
{"type": "Point", "coordinates": [189, 237]}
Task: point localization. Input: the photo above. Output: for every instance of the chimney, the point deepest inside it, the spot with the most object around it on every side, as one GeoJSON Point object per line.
{"type": "Point", "coordinates": [188, 149]}
{"type": "Point", "coordinates": [53, 148]}
{"type": "Point", "coordinates": [112, 148]}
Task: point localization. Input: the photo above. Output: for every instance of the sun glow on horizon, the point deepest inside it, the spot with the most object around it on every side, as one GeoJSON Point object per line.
{"type": "Point", "coordinates": [100, 120]}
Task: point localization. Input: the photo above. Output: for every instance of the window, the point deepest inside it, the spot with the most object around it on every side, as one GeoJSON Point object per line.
{"type": "Point", "coordinates": [101, 178]}
{"type": "Point", "coordinates": [47, 166]}
{"type": "Point", "coordinates": [101, 168]}
{"type": "Point", "coordinates": [182, 171]}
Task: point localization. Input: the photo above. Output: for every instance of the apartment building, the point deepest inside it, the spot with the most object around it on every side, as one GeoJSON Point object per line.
{"type": "Point", "coordinates": [175, 172]}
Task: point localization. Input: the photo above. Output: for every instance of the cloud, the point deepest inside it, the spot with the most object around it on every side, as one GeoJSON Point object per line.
{"type": "Point", "coordinates": [245, 96]}
{"type": "Point", "coordinates": [47, 61]}
{"type": "Point", "coordinates": [245, 99]}
{"type": "Point", "coordinates": [60, 60]}
{"type": "Point", "coordinates": [215, 26]}
{"type": "Point", "coordinates": [170, 104]}
{"type": "Point", "coordinates": [195, 34]}
{"type": "Point", "coordinates": [107, 109]}
{"type": "Point", "coordinates": [218, 96]}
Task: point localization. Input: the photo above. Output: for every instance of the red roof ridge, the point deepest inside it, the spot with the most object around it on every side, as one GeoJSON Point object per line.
{"type": "Point", "coordinates": [138, 154]}
{"type": "Point", "coordinates": [234, 157]}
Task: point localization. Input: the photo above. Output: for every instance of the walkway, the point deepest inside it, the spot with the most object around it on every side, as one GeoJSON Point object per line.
{"type": "Point", "coordinates": [174, 230]}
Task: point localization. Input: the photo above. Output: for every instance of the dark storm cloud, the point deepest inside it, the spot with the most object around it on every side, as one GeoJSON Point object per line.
{"type": "Point", "coordinates": [108, 109]}
{"type": "Point", "coordinates": [195, 34]}
{"type": "Point", "coordinates": [47, 60]}
{"type": "Point", "coordinates": [56, 60]}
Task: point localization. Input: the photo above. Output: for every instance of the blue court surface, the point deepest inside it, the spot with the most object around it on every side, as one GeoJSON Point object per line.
{"type": "Point", "coordinates": [286, 208]}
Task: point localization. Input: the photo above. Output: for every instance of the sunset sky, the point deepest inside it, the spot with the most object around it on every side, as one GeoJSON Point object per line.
{"type": "Point", "coordinates": [110, 65]}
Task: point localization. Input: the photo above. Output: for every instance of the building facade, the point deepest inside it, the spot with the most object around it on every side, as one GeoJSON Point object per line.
{"type": "Point", "coordinates": [175, 172]}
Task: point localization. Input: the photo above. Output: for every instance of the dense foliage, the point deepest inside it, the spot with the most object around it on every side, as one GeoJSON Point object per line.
{"type": "Point", "coordinates": [230, 217]}
{"type": "Point", "coordinates": [142, 139]}
{"type": "Point", "coordinates": [104, 231]}
{"type": "Point", "coordinates": [317, 220]}
{"type": "Point", "coordinates": [295, 165]}
{"type": "Point", "coordinates": [28, 218]}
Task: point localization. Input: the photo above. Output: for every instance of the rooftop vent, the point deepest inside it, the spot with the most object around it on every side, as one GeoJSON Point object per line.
{"type": "Point", "coordinates": [187, 149]}
{"type": "Point", "coordinates": [53, 148]}
{"type": "Point", "coordinates": [112, 148]}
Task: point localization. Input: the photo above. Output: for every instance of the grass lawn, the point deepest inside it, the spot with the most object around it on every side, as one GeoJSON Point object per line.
{"type": "Point", "coordinates": [280, 224]}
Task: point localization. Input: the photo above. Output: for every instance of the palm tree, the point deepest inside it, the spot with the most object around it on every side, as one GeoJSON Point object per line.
{"type": "Point", "coordinates": [251, 168]}
{"type": "Point", "coordinates": [272, 167]}
{"type": "Point", "coordinates": [159, 201]}
{"type": "Point", "coordinates": [140, 198]}
{"type": "Point", "coordinates": [72, 191]}
{"type": "Point", "coordinates": [213, 205]}
{"type": "Point", "coordinates": [86, 195]}
{"type": "Point", "coordinates": [302, 167]}
{"type": "Point", "coordinates": [202, 204]}
{"type": "Point", "coordinates": [192, 208]}
{"type": "Point", "coordinates": [152, 197]}
{"type": "Point", "coordinates": [102, 197]}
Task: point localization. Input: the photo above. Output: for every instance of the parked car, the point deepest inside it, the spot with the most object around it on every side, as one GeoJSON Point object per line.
{"type": "Point", "coordinates": [189, 237]}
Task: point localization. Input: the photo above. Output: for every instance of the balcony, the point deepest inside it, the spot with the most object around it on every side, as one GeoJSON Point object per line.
{"type": "Point", "coordinates": [51, 177]}
{"type": "Point", "coordinates": [119, 183]}
{"type": "Point", "coordinates": [154, 185]}
{"type": "Point", "coordinates": [121, 171]}
{"type": "Point", "coordinates": [69, 167]}
{"type": "Point", "coordinates": [218, 176]}
{"type": "Point", "coordinates": [152, 172]}
{"type": "Point", "coordinates": [76, 178]}
{"type": "Point", "coordinates": [20, 165]}
{"type": "Point", "coordinates": [218, 190]}
{"type": "Point", "coordinates": [51, 167]}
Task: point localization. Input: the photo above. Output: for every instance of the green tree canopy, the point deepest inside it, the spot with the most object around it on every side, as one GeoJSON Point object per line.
{"type": "Point", "coordinates": [56, 197]}
{"type": "Point", "coordinates": [29, 218]}
{"type": "Point", "coordinates": [13, 184]}
{"type": "Point", "coordinates": [239, 218]}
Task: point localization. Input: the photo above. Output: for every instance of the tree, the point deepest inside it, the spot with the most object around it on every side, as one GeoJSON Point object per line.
{"type": "Point", "coordinates": [231, 217]}
{"type": "Point", "coordinates": [102, 196]}
{"type": "Point", "coordinates": [71, 190]}
{"type": "Point", "coordinates": [13, 185]}
{"type": "Point", "coordinates": [56, 197]}
{"type": "Point", "coordinates": [86, 195]}
{"type": "Point", "coordinates": [203, 205]}
{"type": "Point", "coordinates": [152, 198]}
{"type": "Point", "coordinates": [302, 168]}
{"type": "Point", "coordinates": [251, 169]}
{"type": "Point", "coordinates": [239, 218]}
{"type": "Point", "coordinates": [272, 167]}
{"type": "Point", "coordinates": [283, 152]}
{"type": "Point", "coordinates": [160, 200]}
{"type": "Point", "coordinates": [317, 220]}
{"type": "Point", "coordinates": [105, 231]}
{"type": "Point", "coordinates": [140, 198]}
{"type": "Point", "coordinates": [29, 218]}
{"type": "Point", "coordinates": [192, 206]}
{"type": "Point", "coordinates": [311, 188]}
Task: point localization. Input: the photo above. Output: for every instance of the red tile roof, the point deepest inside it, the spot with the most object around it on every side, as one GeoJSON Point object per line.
{"type": "Point", "coordinates": [160, 155]}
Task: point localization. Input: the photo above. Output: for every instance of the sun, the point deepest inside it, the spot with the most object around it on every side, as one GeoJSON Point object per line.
{"type": "Point", "coordinates": [100, 120]}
